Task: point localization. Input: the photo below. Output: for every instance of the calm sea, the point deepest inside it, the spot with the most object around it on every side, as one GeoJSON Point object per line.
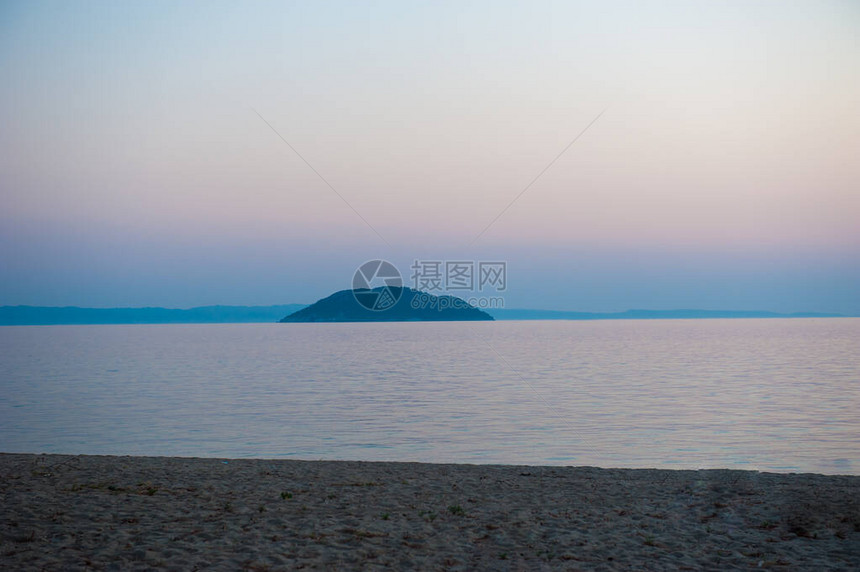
{"type": "Point", "coordinates": [775, 395]}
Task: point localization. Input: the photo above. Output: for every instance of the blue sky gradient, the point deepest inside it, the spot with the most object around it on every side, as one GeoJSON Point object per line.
{"type": "Point", "coordinates": [134, 169]}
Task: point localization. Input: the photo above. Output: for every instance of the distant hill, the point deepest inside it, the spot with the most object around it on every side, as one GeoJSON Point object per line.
{"type": "Point", "coordinates": [42, 315]}
{"type": "Point", "coordinates": [411, 306]}
{"type": "Point", "coordinates": [48, 315]}
{"type": "Point", "coordinates": [514, 314]}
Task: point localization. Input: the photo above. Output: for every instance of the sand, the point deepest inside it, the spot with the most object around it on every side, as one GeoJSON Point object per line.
{"type": "Point", "coordinates": [64, 512]}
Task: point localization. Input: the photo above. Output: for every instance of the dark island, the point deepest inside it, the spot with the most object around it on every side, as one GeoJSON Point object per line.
{"type": "Point", "coordinates": [394, 304]}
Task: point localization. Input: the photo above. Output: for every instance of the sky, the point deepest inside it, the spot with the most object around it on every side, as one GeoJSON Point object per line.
{"type": "Point", "coordinates": [181, 154]}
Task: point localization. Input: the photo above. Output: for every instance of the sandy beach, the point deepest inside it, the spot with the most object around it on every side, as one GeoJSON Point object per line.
{"type": "Point", "coordinates": [63, 512]}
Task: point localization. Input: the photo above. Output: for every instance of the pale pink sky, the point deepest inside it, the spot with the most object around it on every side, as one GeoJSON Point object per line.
{"type": "Point", "coordinates": [730, 138]}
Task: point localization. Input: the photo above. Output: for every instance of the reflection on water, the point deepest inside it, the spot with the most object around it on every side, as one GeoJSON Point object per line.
{"type": "Point", "coordinates": [777, 395]}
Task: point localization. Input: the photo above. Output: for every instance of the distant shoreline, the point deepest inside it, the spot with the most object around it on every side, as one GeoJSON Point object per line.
{"type": "Point", "coordinates": [74, 315]}
{"type": "Point", "coordinates": [64, 511]}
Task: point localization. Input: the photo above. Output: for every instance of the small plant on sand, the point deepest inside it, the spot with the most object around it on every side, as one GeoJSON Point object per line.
{"type": "Point", "coordinates": [649, 541]}
{"type": "Point", "coordinates": [429, 516]}
{"type": "Point", "coordinates": [503, 556]}
{"type": "Point", "coordinates": [285, 495]}
{"type": "Point", "coordinates": [228, 507]}
{"type": "Point", "coordinates": [456, 510]}
{"type": "Point", "coordinates": [385, 516]}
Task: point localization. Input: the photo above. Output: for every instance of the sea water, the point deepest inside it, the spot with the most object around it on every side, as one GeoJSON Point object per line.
{"type": "Point", "coordinates": [767, 394]}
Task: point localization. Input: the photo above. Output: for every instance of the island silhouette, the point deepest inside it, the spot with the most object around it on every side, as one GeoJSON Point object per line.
{"type": "Point", "coordinates": [405, 305]}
